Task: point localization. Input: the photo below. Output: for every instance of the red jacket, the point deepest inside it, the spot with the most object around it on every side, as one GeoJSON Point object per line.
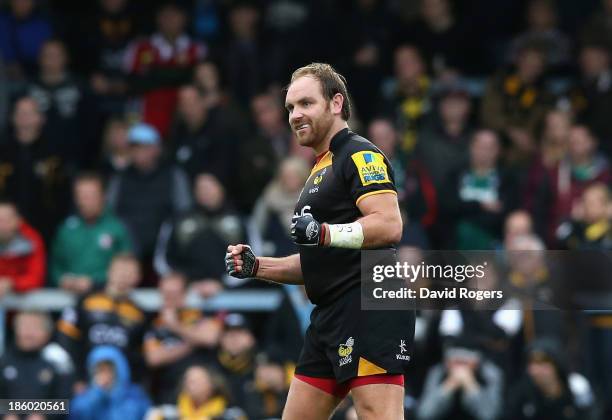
{"type": "Point", "coordinates": [157, 55]}
{"type": "Point", "coordinates": [23, 260]}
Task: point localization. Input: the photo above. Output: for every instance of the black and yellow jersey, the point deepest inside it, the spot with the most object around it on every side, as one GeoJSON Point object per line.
{"type": "Point", "coordinates": [352, 169]}
{"type": "Point", "coordinates": [100, 319]}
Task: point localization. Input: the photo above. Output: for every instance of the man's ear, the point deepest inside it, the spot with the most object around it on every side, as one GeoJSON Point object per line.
{"type": "Point", "coordinates": [336, 104]}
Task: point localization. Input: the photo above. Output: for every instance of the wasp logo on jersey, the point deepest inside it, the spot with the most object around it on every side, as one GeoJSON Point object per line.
{"type": "Point", "coordinates": [371, 167]}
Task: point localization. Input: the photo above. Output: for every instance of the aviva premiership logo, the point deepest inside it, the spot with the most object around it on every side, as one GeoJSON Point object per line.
{"type": "Point", "coordinates": [345, 350]}
{"type": "Point", "coordinates": [371, 167]}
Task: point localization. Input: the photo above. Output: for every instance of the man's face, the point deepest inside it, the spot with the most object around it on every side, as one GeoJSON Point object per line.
{"type": "Point", "coordinates": [30, 332]}
{"type": "Point", "coordinates": [191, 104]}
{"type": "Point", "coordinates": [209, 192]}
{"type": "Point", "coordinates": [517, 224]}
{"type": "Point", "coordinates": [266, 112]}
{"type": "Point", "coordinates": [172, 290]}
{"type": "Point", "coordinates": [556, 128]}
{"type": "Point", "coordinates": [484, 150]}
{"type": "Point", "coordinates": [237, 340]}
{"type": "Point", "coordinates": [593, 61]}
{"type": "Point", "coordinates": [9, 223]}
{"type": "Point", "coordinates": [408, 64]}
{"type": "Point", "coordinates": [123, 276]}
{"type": "Point", "coordinates": [27, 115]}
{"type": "Point", "coordinates": [596, 204]}
{"type": "Point", "coordinates": [581, 143]}
{"type": "Point", "coordinates": [53, 57]}
{"type": "Point", "coordinates": [144, 156]}
{"type": "Point", "coordinates": [310, 115]}
{"type": "Point", "coordinates": [531, 65]}
{"type": "Point", "coordinates": [383, 135]}
{"type": "Point", "coordinates": [171, 22]}
{"type": "Point", "coordinates": [455, 108]}
{"type": "Point", "coordinates": [22, 8]}
{"type": "Point", "coordinates": [89, 198]}
{"type": "Point", "coordinates": [542, 371]}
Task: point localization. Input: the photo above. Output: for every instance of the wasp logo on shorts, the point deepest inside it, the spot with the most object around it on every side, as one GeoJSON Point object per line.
{"type": "Point", "coordinates": [371, 167]}
{"type": "Point", "coordinates": [403, 349]}
{"type": "Point", "coordinates": [345, 350]}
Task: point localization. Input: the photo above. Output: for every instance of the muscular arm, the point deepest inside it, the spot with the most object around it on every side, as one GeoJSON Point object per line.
{"type": "Point", "coordinates": [381, 222]}
{"type": "Point", "coordinates": [285, 270]}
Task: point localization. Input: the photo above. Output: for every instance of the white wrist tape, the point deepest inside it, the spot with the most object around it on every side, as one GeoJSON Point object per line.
{"type": "Point", "coordinates": [349, 235]}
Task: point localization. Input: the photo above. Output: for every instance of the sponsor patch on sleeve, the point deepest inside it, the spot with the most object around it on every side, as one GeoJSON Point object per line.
{"type": "Point", "coordinates": [371, 167]}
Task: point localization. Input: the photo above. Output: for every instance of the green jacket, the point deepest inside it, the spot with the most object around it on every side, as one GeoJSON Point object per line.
{"type": "Point", "coordinates": [86, 249]}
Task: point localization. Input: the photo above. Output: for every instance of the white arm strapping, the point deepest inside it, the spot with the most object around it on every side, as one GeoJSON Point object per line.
{"type": "Point", "coordinates": [348, 235]}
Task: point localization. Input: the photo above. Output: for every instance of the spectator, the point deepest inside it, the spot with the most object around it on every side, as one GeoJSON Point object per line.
{"type": "Point", "coordinates": [22, 253]}
{"type": "Point", "coordinates": [115, 148]}
{"type": "Point", "coordinates": [260, 154]}
{"type": "Point", "coordinates": [104, 40]}
{"type": "Point", "coordinates": [274, 209]}
{"type": "Point", "coordinates": [542, 32]}
{"type": "Point", "coordinates": [62, 100]}
{"type": "Point", "coordinates": [598, 28]}
{"type": "Point", "coordinates": [203, 138]}
{"type": "Point", "coordinates": [108, 317]}
{"type": "Point", "coordinates": [26, 372]}
{"type": "Point", "coordinates": [406, 99]}
{"type": "Point", "coordinates": [444, 139]}
{"type": "Point", "coordinates": [148, 191]}
{"type": "Point", "coordinates": [548, 389]}
{"type": "Point", "coordinates": [364, 45]}
{"type": "Point", "coordinates": [532, 281]}
{"type": "Point", "coordinates": [87, 241]}
{"type": "Point", "coordinates": [383, 134]}
{"type": "Point", "coordinates": [476, 198]}
{"type": "Point", "coordinates": [178, 338]}
{"type": "Point", "coordinates": [515, 102]}
{"type": "Point", "coordinates": [33, 171]}
{"type": "Point", "coordinates": [204, 395]}
{"type": "Point", "coordinates": [464, 386]}
{"type": "Point", "coordinates": [535, 189]}
{"type": "Point", "coordinates": [582, 166]}
{"type": "Point", "coordinates": [592, 96]}
{"type": "Point", "coordinates": [447, 42]}
{"type": "Point", "coordinates": [22, 32]}
{"type": "Point", "coordinates": [266, 395]}
{"type": "Point", "coordinates": [236, 354]}
{"type": "Point", "coordinates": [591, 228]}
{"type": "Point", "coordinates": [416, 191]}
{"type": "Point", "coordinates": [518, 223]}
{"type": "Point", "coordinates": [195, 242]}
{"type": "Point", "coordinates": [4, 98]}
{"type": "Point", "coordinates": [111, 394]}
{"type": "Point", "coordinates": [158, 65]}
{"type": "Point", "coordinates": [245, 56]}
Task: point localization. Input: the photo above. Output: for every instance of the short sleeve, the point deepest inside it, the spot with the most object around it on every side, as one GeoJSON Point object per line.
{"type": "Point", "coordinates": [368, 172]}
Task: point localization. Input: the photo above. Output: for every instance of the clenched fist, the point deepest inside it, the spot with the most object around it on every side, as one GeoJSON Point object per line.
{"type": "Point", "coordinates": [240, 262]}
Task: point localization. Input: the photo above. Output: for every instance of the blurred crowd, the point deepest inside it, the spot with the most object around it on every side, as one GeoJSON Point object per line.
{"type": "Point", "coordinates": [139, 138]}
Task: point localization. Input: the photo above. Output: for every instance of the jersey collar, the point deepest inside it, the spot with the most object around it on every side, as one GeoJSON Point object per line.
{"type": "Point", "coordinates": [337, 139]}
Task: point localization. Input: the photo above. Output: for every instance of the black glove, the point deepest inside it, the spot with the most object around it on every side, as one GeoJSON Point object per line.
{"type": "Point", "coordinates": [305, 230]}
{"type": "Point", "coordinates": [250, 264]}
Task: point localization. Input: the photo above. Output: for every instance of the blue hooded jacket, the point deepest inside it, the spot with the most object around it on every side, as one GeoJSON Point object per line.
{"type": "Point", "coordinates": [124, 401]}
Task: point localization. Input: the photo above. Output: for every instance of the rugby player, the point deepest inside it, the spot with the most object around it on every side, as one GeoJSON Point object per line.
{"type": "Point", "coordinates": [348, 203]}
